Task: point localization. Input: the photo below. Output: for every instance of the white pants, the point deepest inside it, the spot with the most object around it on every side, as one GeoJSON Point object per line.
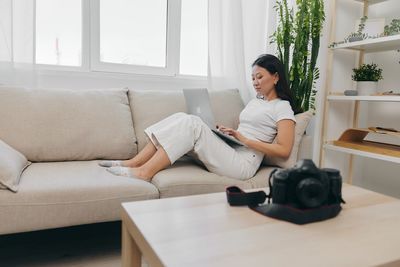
{"type": "Point", "coordinates": [181, 133]}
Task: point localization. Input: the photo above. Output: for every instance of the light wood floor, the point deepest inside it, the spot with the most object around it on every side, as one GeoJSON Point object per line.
{"type": "Point", "coordinates": [97, 245]}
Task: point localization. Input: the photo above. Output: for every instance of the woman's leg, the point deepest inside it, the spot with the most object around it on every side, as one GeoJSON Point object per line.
{"type": "Point", "coordinates": [156, 163]}
{"type": "Point", "coordinates": [190, 134]}
{"type": "Point", "coordinates": [150, 149]}
{"type": "Point", "coordinates": [185, 133]}
{"type": "Point", "coordinates": [142, 157]}
{"type": "Point", "coordinates": [171, 138]}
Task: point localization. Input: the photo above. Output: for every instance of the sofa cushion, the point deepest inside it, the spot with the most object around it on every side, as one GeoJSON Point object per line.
{"type": "Point", "coordinates": [61, 194]}
{"type": "Point", "coordinates": [185, 178]}
{"type": "Point", "coordinates": [59, 125]}
{"type": "Point", "coordinates": [12, 164]}
{"type": "Point", "coordinates": [305, 147]}
{"type": "Point", "coordinates": [149, 107]}
{"type": "Point", "coordinates": [302, 120]}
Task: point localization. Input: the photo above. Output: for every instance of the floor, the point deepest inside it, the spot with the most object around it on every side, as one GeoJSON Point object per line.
{"type": "Point", "coordinates": [84, 246]}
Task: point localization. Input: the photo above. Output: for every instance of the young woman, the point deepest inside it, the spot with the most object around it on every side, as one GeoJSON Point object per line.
{"type": "Point", "coordinates": [269, 116]}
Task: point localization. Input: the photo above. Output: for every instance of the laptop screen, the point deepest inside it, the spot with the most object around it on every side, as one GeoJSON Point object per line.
{"type": "Point", "coordinates": [198, 103]}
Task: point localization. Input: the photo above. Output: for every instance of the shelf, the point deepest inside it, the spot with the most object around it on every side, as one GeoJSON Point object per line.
{"type": "Point", "coordinates": [372, 2]}
{"type": "Point", "coordinates": [352, 141]}
{"type": "Point", "coordinates": [373, 45]}
{"type": "Point", "coordinates": [365, 148]}
{"type": "Point", "coordinates": [384, 98]}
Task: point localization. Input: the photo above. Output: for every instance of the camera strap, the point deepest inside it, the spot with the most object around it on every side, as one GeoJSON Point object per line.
{"type": "Point", "coordinates": [237, 197]}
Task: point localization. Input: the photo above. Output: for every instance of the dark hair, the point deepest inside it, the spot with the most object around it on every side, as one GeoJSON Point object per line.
{"type": "Point", "coordinates": [273, 65]}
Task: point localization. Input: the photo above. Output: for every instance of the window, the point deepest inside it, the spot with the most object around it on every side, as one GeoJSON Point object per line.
{"type": "Point", "coordinates": [158, 37]}
{"type": "Point", "coordinates": [59, 32]}
{"type": "Point", "coordinates": [137, 36]}
{"type": "Point", "coordinates": [194, 37]}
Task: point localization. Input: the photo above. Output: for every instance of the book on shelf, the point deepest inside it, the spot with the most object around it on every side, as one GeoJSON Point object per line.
{"type": "Point", "coordinates": [387, 143]}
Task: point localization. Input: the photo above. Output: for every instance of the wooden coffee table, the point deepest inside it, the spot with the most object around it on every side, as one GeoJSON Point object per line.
{"type": "Point", "coordinates": [204, 230]}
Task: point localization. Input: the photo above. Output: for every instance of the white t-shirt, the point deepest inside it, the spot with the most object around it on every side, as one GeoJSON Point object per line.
{"type": "Point", "coordinates": [259, 118]}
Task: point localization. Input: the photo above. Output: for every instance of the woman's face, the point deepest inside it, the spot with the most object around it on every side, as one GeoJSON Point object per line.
{"type": "Point", "coordinates": [263, 81]}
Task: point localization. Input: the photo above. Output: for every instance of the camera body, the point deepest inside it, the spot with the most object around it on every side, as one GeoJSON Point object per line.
{"type": "Point", "coordinates": [305, 186]}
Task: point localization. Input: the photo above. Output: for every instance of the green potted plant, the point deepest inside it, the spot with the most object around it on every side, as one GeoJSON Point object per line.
{"type": "Point", "coordinates": [367, 77]}
{"type": "Point", "coordinates": [298, 40]}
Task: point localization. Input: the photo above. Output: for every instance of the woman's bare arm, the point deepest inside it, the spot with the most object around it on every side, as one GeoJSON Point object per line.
{"type": "Point", "coordinates": [284, 138]}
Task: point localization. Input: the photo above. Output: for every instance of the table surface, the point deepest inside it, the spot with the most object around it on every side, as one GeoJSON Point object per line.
{"type": "Point", "coordinates": [203, 230]}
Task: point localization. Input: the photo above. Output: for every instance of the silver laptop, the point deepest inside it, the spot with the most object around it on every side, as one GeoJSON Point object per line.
{"type": "Point", "coordinates": [198, 103]}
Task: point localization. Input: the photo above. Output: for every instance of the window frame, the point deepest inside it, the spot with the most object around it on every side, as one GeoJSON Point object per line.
{"type": "Point", "coordinates": [172, 44]}
{"type": "Point", "coordinates": [85, 65]}
{"type": "Point", "coordinates": [91, 46]}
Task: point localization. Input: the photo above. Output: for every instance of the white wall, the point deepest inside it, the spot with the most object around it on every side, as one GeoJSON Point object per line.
{"type": "Point", "coordinates": [373, 174]}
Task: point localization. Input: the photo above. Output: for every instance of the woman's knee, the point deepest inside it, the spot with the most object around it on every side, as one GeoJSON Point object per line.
{"type": "Point", "coordinates": [189, 119]}
{"type": "Point", "coordinates": [180, 114]}
{"type": "Point", "coordinates": [195, 119]}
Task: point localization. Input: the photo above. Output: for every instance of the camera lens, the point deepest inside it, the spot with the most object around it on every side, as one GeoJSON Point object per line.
{"type": "Point", "coordinates": [311, 192]}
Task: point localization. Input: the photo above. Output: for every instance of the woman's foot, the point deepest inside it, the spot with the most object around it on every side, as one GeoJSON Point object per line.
{"type": "Point", "coordinates": [111, 163]}
{"type": "Point", "coordinates": [128, 172]}
{"type": "Point", "coordinates": [118, 163]}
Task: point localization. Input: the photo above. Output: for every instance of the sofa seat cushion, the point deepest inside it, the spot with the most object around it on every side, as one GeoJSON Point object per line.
{"type": "Point", "coordinates": [63, 125]}
{"type": "Point", "coordinates": [186, 178]}
{"type": "Point", "coordinates": [61, 194]}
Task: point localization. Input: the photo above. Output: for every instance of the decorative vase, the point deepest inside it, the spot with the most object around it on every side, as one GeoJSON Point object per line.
{"type": "Point", "coordinates": [355, 38]}
{"type": "Point", "coordinates": [367, 88]}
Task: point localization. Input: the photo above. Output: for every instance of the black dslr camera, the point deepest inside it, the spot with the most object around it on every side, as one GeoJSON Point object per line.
{"type": "Point", "coordinates": [302, 194]}
{"type": "Point", "coordinates": [305, 186]}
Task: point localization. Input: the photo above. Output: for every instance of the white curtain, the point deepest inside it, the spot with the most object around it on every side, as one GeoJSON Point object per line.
{"type": "Point", "coordinates": [17, 43]}
{"type": "Point", "coordinates": [237, 35]}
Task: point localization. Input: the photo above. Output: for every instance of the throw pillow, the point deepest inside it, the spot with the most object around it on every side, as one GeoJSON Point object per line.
{"type": "Point", "coordinates": [302, 120]}
{"type": "Point", "coordinates": [12, 164]}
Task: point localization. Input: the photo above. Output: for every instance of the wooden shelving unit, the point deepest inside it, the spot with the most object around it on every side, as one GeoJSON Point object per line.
{"type": "Point", "coordinates": [352, 140]}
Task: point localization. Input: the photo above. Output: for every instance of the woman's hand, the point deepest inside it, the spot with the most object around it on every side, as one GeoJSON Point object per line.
{"type": "Point", "coordinates": [232, 132]}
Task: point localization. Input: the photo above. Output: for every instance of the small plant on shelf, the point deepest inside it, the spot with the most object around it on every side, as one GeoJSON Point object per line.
{"type": "Point", "coordinates": [354, 36]}
{"type": "Point", "coordinates": [393, 28]}
{"type": "Point", "coordinates": [359, 35]}
{"type": "Point", "coordinates": [367, 77]}
{"type": "Point", "coordinates": [367, 72]}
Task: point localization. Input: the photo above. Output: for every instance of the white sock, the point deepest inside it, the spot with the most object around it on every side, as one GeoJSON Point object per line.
{"type": "Point", "coordinates": [121, 171]}
{"type": "Point", "coordinates": [110, 163]}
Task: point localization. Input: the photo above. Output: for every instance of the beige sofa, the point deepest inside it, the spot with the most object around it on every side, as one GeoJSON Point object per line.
{"type": "Point", "coordinates": [65, 132]}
